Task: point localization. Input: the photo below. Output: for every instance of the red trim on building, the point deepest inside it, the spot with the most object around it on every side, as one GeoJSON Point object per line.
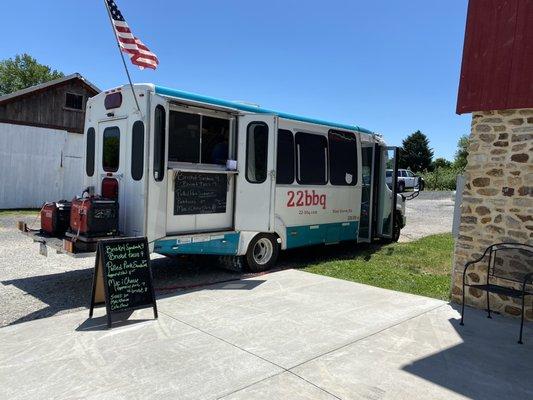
{"type": "Point", "coordinates": [497, 67]}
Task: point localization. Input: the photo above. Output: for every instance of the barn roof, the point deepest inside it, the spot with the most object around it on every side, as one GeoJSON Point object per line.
{"type": "Point", "coordinates": [47, 85]}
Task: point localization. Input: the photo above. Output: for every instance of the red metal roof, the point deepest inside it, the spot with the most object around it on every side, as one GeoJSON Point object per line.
{"type": "Point", "coordinates": [497, 68]}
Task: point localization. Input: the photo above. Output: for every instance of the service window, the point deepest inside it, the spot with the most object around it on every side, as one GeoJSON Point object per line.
{"type": "Point", "coordinates": [285, 158]}
{"type": "Point", "coordinates": [342, 158]}
{"type": "Point", "coordinates": [195, 138]}
{"type": "Point", "coordinates": [256, 152]}
{"type": "Point", "coordinates": [311, 159]}
{"type": "Point", "coordinates": [215, 140]}
{"type": "Point", "coordinates": [184, 137]}
{"type": "Point", "coordinates": [111, 149]}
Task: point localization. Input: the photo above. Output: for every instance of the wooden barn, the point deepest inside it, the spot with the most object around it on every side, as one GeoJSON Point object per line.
{"type": "Point", "coordinates": [41, 141]}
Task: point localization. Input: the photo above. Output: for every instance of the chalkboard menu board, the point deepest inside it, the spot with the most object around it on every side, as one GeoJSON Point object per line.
{"type": "Point", "coordinates": [122, 270]}
{"type": "Point", "coordinates": [200, 193]}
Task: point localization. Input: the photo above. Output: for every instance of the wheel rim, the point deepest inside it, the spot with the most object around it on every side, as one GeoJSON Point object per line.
{"type": "Point", "coordinates": [263, 251]}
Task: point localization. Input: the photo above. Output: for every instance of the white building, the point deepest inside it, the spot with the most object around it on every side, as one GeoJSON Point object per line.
{"type": "Point", "coordinates": [41, 142]}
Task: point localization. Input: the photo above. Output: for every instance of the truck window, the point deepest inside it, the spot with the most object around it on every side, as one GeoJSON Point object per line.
{"type": "Point", "coordinates": [159, 143]}
{"type": "Point", "coordinates": [285, 158]}
{"type": "Point", "coordinates": [342, 158]}
{"type": "Point", "coordinates": [311, 159]}
{"type": "Point", "coordinates": [89, 153]}
{"type": "Point", "coordinates": [256, 152]}
{"type": "Point", "coordinates": [137, 151]}
{"type": "Point", "coordinates": [111, 149]}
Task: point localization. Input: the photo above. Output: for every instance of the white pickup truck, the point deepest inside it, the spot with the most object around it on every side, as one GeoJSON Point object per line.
{"type": "Point", "coordinates": [406, 180]}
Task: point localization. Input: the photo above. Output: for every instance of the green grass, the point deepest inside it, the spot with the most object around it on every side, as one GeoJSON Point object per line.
{"type": "Point", "coordinates": [10, 213]}
{"type": "Point", "coordinates": [421, 267]}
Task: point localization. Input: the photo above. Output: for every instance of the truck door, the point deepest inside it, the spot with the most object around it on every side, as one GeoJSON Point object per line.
{"type": "Point", "coordinates": [254, 206]}
{"type": "Point", "coordinates": [367, 185]}
{"type": "Point", "coordinates": [157, 169]}
{"type": "Point", "coordinates": [386, 159]}
{"type": "Point", "coordinates": [111, 156]}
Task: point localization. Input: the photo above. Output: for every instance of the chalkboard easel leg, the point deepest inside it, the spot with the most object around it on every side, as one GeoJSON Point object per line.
{"type": "Point", "coordinates": [95, 279]}
{"type": "Point", "coordinates": [155, 311]}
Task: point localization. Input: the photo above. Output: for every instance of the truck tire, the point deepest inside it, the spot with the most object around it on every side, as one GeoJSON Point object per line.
{"type": "Point", "coordinates": [262, 252]}
{"type": "Point", "coordinates": [401, 187]}
{"type": "Point", "coordinates": [232, 263]}
{"type": "Point", "coordinates": [396, 228]}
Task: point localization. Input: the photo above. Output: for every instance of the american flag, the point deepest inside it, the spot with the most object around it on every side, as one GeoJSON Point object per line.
{"type": "Point", "coordinates": [139, 54]}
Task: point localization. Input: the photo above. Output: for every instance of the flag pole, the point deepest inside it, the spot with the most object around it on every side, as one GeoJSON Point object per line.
{"type": "Point", "coordinates": [122, 56]}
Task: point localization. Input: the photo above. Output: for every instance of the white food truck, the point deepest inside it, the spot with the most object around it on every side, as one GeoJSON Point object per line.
{"type": "Point", "coordinates": [200, 175]}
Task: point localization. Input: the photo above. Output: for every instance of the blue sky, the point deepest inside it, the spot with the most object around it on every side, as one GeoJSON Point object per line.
{"type": "Point", "coordinates": [389, 66]}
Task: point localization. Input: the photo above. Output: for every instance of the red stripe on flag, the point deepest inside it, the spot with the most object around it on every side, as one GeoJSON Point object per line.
{"type": "Point", "coordinates": [127, 40]}
{"type": "Point", "coordinates": [122, 29]}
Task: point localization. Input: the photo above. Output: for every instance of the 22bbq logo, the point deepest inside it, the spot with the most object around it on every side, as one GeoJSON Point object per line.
{"type": "Point", "coordinates": [305, 198]}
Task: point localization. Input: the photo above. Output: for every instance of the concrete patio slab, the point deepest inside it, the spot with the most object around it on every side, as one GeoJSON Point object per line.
{"type": "Point", "coordinates": [291, 316]}
{"type": "Point", "coordinates": [282, 386]}
{"type": "Point", "coordinates": [288, 334]}
{"type": "Point", "coordinates": [431, 357]}
{"type": "Point", "coordinates": [152, 359]}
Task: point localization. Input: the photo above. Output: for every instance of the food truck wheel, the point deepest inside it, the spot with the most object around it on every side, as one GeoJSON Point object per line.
{"type": "Point", "coordinates": [232, 263]}
{"type": "Point", "coordinates": [401, 187]}
{"type": "Point", "coordinates": [396, 228]}
{"type": "Point", "coordinates": [262, 252]}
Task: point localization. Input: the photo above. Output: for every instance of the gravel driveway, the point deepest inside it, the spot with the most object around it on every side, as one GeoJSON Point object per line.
{"type": "Point", "coordinates": [33, 286]}
{"type": "Point", "coordinates": [428, 214]}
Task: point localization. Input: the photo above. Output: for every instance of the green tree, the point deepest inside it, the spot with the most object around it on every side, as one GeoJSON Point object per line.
{"type": "Point", "coordinates": [441, 163]}
{"type": "Point", "coordinates": [24, 71]}
{"type": "Point", "coordinates": [415, 153]}
{"type": "Point", "coordinates": [461, 153]}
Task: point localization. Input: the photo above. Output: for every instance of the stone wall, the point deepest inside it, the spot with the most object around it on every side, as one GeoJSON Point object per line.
{"type": "Point", "coordinates": [497, 199]}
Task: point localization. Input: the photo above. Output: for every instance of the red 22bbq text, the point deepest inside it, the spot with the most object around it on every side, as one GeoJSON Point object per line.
{"type": "Point", "coordinates": [303, 198]}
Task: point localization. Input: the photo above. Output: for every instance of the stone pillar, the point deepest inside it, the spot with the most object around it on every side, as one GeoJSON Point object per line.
{"type": "Point", "coordinates": [498, 197]}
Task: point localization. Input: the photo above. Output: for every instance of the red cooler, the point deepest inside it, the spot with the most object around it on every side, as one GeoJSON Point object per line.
{"type": "Point", "coordinates": [55, 217]}
{"type": "Point", "coordinates": [94, 216]}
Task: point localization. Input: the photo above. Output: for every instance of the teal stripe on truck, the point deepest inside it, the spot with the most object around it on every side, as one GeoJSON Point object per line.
{"type": "Point", "coordinates": [223, 244]}
{"type": "Point", "coordinates": [307, 235]}
{"type": "Point", "coordinates": [180, 94]}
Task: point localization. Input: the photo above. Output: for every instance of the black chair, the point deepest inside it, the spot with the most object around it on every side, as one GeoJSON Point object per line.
{"type": "Point", "coordinates": [507, 262]}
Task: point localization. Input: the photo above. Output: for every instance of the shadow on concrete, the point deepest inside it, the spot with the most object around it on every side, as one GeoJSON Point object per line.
{"type": "Point", "coordinates": [487, 364]}
{"type": "Point", "coordinates": [61, 291]}
{"type": "Point", "coordinates": [100, 323]}
{"type": "Point", "coordinates": [172, 277]}
{"type": "Point", "coordinates": [305, 256]}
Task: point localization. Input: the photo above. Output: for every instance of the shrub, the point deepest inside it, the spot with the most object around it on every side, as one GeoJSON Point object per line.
{"type": "Point", "coordinates": [443, 178]}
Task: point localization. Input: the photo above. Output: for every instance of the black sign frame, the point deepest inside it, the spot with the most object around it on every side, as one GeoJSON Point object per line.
{"type": "Point", "coordinates": [100, 288]}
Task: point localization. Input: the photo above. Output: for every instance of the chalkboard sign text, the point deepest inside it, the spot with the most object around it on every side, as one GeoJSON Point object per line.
{"type": "Point", "coordinates": [122, 267]}
{"type": "Point", "coordinates": [200, 193]}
